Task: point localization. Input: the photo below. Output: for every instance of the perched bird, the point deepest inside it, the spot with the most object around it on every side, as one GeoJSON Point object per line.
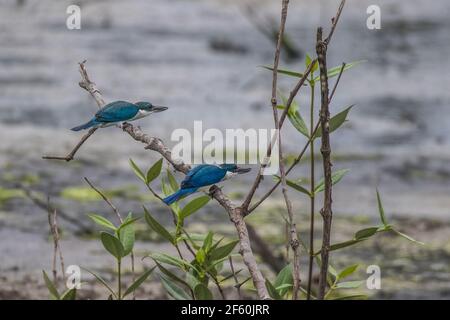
{"type": "Point", "coordinates": [204, 175]}
{"type": "Point", "coordinates": [119, 111]}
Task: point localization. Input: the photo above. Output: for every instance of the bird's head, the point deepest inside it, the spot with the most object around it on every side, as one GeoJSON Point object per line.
{"type": "Point", "coordinates": [234, 168]}
{"type": "Point", "coordinates": [148, 107]}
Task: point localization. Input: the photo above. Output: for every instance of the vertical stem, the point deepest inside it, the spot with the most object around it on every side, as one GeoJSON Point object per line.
{"type": "Point", "coordinates": [326, 212]}
{"type": "Point", "coordinates": [312, 196]}
{"type": "Point", "coordinates": [119, 279]}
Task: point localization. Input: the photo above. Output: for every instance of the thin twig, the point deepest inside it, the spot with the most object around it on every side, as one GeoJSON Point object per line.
{"type": "Point", "coordinates": [70, 156]}
{"type": "Point", "coordinates": [236, 281]}
{"type": "Point", "coordinates": [53, 223]}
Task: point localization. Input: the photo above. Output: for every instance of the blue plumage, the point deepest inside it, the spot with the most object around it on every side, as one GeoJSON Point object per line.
{"type": "Point", "coordinates": [201, 176]}
{"type": "Point", "coordinates": [120, 111]}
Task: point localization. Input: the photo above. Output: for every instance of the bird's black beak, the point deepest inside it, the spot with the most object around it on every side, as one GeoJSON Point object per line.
{"type": "Point", "coordinates": [159, 108]}
{"type": "Point", "coordinates": [242, 170]}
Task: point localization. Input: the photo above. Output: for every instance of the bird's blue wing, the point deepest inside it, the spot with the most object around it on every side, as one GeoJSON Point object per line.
{"type": "Point", "coordinates": [117, 111]}
{"type": "Point", "coordinates": [203, 175]}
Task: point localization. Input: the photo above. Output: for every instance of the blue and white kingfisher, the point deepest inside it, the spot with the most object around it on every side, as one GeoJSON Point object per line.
{"type": "Point", "coordinates": [120, 111]}
{"type": "Point", "coordinates": [204, 175]}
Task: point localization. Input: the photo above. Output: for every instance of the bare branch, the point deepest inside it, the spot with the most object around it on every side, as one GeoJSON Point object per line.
{"type": "Point", "coordinates": [53, 223]}
{"type": "Point", "coordinates": [72, 153]}
{"type": "Point", "coordinates": [326, 211]}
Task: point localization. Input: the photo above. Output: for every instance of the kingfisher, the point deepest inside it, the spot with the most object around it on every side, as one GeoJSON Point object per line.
{"type": "Point", "coordinates": [202, 176]}
{"type": "Point", "coordinates": [120, 111]}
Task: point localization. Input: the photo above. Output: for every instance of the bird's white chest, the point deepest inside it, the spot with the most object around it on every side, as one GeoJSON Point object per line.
{"type": "Point", "coordinates": [140, 114]}
{"type": "Point", "coordinates": [229, 175]}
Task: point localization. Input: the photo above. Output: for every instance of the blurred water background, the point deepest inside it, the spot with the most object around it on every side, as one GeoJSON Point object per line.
{"type": "Point", "coordinates": [202, 59]}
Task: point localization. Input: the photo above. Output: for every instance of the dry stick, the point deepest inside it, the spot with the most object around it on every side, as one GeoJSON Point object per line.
{"type": "Point", "coordinates": [326, 212]}
{"type": "Point", "coordinates": [116, 211]}
{"type": "Point", "coordinates": [235, 213]}
{"type": "Point", "coordinates": [72, 153]}
{"type": "Point", "coordinates": [90, 86]}
{"type": "Point", "coordinates": [293, 229]}
{"type": "Point", "coordinates": [53, 222]}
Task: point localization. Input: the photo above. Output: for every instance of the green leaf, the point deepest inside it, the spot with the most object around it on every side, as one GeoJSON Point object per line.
{"type": "Point", "coordinates": [272, 291]}
{"type": "Point", "coordinates": [50, 286]}
{"type": "Point", "coordinates": [335, 178]}
{"type": "Point", "coordinates": [157, 227]}
{"type": "Point", "coordinates": [381, 209]}
{"type": "Point", "coordinates": [103, 282]}
{"type": "Point", "coordinates": [172, 181]}
{"type": "Point", "coordinates": [297, 121]}
{"type": "Point", "coordinates": [223, 251]}
{"type": "Point", "coordinates": [333, 72]}
{"type": "Point", "coordinates": [138, 171]}
{"type": "Point", "coordinates": [349, 284]}
{"type": "Point", "coordinates": [308, 61]}
{"type": "Point", "coordinates": [126, 236]}
{"type": "Point", "coordinates": [295, 186]}
{"type": "Point", "coordinates": [174, 261]}
{"type": "Point", "coordinates": [138, 281]}
{"type": "Point", "coordinates": [347, 271]}
{"type": "Point", "coordinates": [70, 294]}
{"type": "Point", "coordinates": [102, 221]}
{"type": "Point", "coordinates": [335, 121]}
{"type": "Point", "coordinates": [365, 233]}
{"type": "Point", "coordinates": [202, 292]}
{"type": "Point", "coordinates": [112, 244]}
{"type": "Point", "coordinates": [207, 243]}
{"type": "Point", "coordinates": [285, 72]}
{"type": "Point", "coordinates": [173, 289]}
{"type": "Point", "coordinates": [284, 278]}
{"type": "Point", "coordinates": [171, 275]}
{"type": "Point", "coordinates": [193, 206]}
{"type": "Point", "coordinates": [154, 171]}
{"type": "Point", "coordinates": [407, 237]}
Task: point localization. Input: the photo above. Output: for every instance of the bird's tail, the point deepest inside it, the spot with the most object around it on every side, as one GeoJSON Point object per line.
{"type": "Point", "coordinates": [178, 195]}
{"type": "Point", "coordinates": [87, 125]}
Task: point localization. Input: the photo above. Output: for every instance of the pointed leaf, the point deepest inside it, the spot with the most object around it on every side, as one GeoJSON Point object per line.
{"type": "Point", "coordinates": [193, 206]}
{"type": "Point", "coordinates": [173, 289]}
{"type": "Point", "coordinates": [127, 237]}
{"type": "Point", "coordinates": [112, 245]}
{"type": "Point", "coordinates": [335, 178]}
{"type": "Point", "coordinates": [333, 72]}
{"type": "Point", "coordinates": [172, 181]}
{"type": "Point", "coordinates": [138, 281]}
{"type": "Point", "coordinates": [202, 292]}
{"type": "Point", "coordinates": [297, 121]}
{"type": "Point", "coordinates": [50, 286]}
{"type": "Point", "coordinates": [157, 227]}
{"type": "Point", "coordinates": [103, 282]}
{"type": "Point", "coordinates": [347, 271]}
{"type": "Point", "coordinates": [137, 171]}
{"type": "Point", "coordinates": [366, 233]}
{"type": "Point", "coordinates": [70, 294]}
{"type": "Point", "coordinates": [295, 186]}
{"type": "Point", "coordinates": [102, 221]}
{"type": "Point", "coordinates": [284, 278]}
{"type": "Point", "coordinates": [349, 284]}
{"type": "Point", "coordinates": [335, 121]}
{"type": "Point", "coordinates": [381, 209]}
{"type": "Point", "coordinates": [407, 237]}
{"type": "Point", "coordinates": [154, 171]}
{"type": "Point", "coordinates": [223, 251]}
{"type": "Point", "coordinates": [272, 291]}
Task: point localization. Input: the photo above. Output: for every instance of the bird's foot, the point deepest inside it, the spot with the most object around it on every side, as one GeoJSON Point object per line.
{"type": "Point", "coordinates": [213, 190]}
